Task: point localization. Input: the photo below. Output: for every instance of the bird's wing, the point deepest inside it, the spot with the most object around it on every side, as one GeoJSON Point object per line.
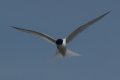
{"type": "Point", "coordinates": [83, 27]}
{"type": "Point", "coordinates": [42, 35]}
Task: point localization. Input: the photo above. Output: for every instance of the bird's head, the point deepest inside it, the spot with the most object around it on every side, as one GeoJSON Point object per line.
{"type": "Point", "coordinates": [59, 41]}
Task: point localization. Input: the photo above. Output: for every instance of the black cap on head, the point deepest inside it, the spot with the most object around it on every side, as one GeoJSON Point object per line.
{"type": "Point", "coordinates": [59, 41]}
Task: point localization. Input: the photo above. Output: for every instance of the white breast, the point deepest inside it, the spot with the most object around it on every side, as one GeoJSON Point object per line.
{"type": "Point", "coordinates": [64, 42]}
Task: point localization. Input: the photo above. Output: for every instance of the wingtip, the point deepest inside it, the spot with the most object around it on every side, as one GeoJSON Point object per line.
{"type": "Point", "coordinates": [105, 14]}
{"type": "Point", "coordinates": [14, 27]}
{"type": "Point", "coordinates": [108, 12]}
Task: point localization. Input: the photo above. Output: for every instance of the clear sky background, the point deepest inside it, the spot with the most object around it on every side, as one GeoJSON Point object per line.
{"type": "Point", "coordinates": [25, 57]}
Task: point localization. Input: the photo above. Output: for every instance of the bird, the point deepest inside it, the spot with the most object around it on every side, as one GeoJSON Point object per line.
{"type": "Point", "coordinates": [61, 44]}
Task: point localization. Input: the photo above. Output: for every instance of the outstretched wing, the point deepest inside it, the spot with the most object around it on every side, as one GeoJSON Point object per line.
{"type": "Point", "coordinates": [42, 35]}
{"type": "Point", "coordinates": [83, 27]}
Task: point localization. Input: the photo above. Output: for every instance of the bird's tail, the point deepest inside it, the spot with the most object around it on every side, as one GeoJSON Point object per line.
{"type": "Point", "coordinates": [68, 53]}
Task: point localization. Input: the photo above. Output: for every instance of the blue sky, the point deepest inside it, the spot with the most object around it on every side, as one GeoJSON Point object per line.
{"type": "Point", "coordinates": [25, 57]}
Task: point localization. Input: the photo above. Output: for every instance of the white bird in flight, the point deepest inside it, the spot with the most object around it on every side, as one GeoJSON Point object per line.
{"type": "Point", "coordinates": [60, 44]}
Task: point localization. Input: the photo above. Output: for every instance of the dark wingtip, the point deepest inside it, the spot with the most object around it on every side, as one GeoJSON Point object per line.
{"type": "Point", "coordinates": [14, 27]}
{"type": "Point", "coordinates": [107, 12]}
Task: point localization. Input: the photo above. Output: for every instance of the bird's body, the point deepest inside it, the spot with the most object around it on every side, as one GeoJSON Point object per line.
{"type": "Point", "coordinates": [61, 43]}
{"type": "Point", "coordinates": [61, 46]}
{"type": "Point", "coordinates": [61, 49]}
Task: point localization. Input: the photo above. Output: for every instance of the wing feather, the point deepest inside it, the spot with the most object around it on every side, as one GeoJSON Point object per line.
{"type": "Point", "coordinates": [42, 35]}
{"type": "Point", "coordinates": [83, 27]}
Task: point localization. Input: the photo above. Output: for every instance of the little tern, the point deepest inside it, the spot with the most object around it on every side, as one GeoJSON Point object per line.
{"type": "Point", "coordinates": [61, 43]}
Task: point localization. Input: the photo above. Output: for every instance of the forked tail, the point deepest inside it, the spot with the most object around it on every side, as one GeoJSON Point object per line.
{"type": "Point", "coordinates": [68, 53]}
